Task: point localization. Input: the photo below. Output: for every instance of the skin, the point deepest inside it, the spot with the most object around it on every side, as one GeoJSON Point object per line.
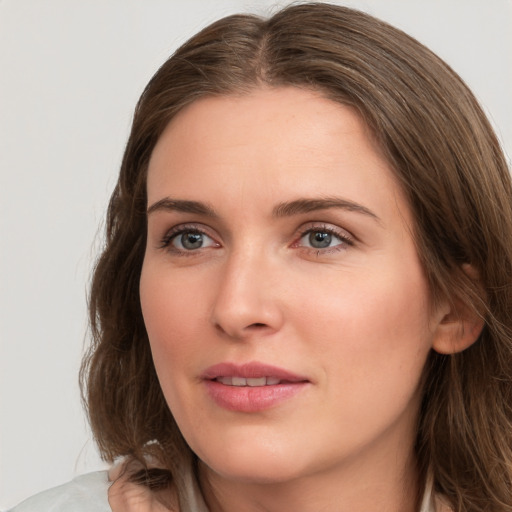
{"type": "Point", "coordinates": [353, 318]}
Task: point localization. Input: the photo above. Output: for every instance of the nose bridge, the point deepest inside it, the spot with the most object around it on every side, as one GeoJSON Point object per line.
{"type": "Point", "coordinates": [245, 301]}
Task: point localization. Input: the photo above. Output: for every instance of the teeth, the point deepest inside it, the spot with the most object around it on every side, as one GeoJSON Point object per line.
{"type": "Point", "coordinates": [239, 381]}
{"type": "Point", "coordinates": [251, 382]}
{"type": "Point", "coordinates": [257, 382]}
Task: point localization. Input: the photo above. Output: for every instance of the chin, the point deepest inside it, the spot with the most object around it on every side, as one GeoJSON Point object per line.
{"type": "Point", "coordinates": [263, 475]}
{"type": "Point", "coordinates": [256, 466]}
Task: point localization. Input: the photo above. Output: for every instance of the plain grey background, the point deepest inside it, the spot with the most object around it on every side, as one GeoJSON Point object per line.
{"type": "Point", "coordinates": [70, 74]}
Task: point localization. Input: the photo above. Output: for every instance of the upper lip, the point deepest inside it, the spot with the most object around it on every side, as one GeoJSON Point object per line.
{"type": "Point", "coordinates": [250, 370]}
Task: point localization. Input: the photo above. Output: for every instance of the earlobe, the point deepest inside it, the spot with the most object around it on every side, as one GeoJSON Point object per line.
{"type": "Point", "coordinates": [456, 332]}
{"type": "Point", "coordinates": [460, 325]}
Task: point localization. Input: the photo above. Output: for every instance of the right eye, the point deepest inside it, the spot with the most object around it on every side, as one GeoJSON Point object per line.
{"type": "Point", "coordinates": [188, 240]}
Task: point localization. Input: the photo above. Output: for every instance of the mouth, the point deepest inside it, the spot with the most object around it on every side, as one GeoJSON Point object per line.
{"type": "Point", "coordinates": [251, 381]}
{"type": "Point", "coordinates": [251, 387]}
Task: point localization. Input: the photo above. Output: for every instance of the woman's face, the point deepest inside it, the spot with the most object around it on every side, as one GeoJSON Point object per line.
{"type": "Point", "coordinates": [283, 297]}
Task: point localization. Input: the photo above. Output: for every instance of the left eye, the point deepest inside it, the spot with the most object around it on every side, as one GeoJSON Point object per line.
{"type": "Point", "coordinates": [191, 240]}
{"type": "Point", "coordinates": [321, 239]}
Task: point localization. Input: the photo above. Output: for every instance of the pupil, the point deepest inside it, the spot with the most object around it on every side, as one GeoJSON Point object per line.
{"type": "Point", "coordinates": [192, 240]}
{"type": "Point", "coordinates": [320, 239]}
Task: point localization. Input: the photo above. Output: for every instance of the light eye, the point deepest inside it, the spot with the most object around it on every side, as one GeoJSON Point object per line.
{"type": "Point", "coordinates": [323, 239]}
{"type": "Point", "coordinates": [191, 240]}
{"type": "Point", "coordinates": [319, 239]}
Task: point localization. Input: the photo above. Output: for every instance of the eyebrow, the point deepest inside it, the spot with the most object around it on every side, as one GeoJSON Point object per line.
{"type": "Point", "coordinates": [181, 205]}
{"type": "Point", "coordinates": [285, 209]}
{"type": "Point", "coordinates": [307, 205]}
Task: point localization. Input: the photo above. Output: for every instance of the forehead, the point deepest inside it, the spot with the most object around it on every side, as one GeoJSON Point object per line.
{"type": "Point", "coordinates": [240, 118]}
{"type": "Point", "coordinates": [271, 143]}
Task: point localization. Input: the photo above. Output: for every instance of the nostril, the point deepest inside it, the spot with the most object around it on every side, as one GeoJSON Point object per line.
{"type": "Point", "coordinates": [256, 326]}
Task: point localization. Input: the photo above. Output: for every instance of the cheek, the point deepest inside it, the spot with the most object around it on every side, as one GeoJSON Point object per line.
{"type": "Point", "coordinates": [387, 307]}
{"type": "Point", "coordinates": [170, 314]}
{"type": "Point", "coordinates": [374, 331]}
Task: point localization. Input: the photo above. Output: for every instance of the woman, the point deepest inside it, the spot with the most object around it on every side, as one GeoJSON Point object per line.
{"type": "Point", "coordinates": [303, 299]}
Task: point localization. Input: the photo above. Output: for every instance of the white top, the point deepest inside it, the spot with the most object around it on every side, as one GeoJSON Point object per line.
{"type": "Point", "coordinates": [89, 493]}
{"type": "Point", "coordinates": [86, 493]}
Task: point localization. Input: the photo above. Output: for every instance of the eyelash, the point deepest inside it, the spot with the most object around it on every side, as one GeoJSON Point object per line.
{"type": "Point", "coordinates": [175, 232]}
{"type": "Point", "coordinates": [345, 238]}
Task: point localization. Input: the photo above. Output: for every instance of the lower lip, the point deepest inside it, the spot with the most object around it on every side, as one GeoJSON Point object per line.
{"type": "Point", "coordinates": [252, 399]}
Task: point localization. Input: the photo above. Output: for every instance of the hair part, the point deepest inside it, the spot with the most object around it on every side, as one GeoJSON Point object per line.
{"type": "Point", "coordinates": [450, 166]}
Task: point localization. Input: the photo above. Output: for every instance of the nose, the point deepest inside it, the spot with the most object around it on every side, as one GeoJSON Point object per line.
{"type": "Point", "coordinates": [247, 301]}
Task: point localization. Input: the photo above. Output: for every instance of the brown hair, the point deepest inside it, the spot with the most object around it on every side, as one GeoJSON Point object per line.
{"type": "Point", "coordinates": [449, 163]}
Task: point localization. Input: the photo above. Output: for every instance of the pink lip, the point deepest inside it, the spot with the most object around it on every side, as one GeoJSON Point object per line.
{"type": "Point", "coordinates": [248, 398]}
{"type": "Point", "coordinates": [250, 370]}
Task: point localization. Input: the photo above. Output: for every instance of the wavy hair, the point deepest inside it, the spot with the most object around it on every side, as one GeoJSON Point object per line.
{"type": "Point", "coordinates": [451, 168]}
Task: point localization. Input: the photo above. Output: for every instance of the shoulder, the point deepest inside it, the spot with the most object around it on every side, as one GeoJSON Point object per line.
{"type": "Point", "coordinates": [86, 493]}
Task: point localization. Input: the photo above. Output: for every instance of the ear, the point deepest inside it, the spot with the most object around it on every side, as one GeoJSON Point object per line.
{"type": "Point", "coordinates": [459, 325]}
